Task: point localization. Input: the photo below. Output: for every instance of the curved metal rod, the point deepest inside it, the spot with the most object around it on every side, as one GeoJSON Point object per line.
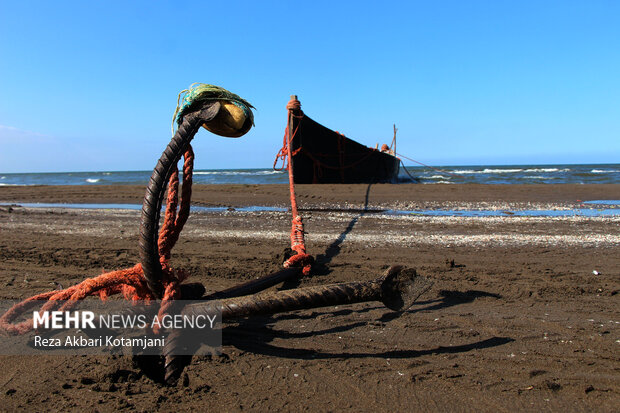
{"type": "Point", "coordinates": [153, 199]}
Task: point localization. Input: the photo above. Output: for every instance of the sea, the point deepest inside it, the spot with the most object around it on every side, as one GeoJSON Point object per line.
{"type": "Point", "coordinates": [481, 174]}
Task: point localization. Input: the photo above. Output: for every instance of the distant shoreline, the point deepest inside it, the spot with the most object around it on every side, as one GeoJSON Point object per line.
{"type": "Point", "coordinates": [480, 174]}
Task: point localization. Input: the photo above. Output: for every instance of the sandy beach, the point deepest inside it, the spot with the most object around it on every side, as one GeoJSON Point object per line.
{"type": "Point", "coordinates": [524, 313]}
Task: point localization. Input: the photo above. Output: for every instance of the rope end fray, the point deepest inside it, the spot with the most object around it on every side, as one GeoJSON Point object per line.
{"type": "Point", "coordinates": [203, 92]}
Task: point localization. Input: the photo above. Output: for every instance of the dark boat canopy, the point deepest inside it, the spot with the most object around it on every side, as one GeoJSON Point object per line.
{"type": "Point", "coordinates": [320, 155]}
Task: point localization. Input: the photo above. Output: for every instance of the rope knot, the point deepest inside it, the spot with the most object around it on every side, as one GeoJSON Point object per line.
{"type": "Point", "coordinates": [293, 104]}
{"type": "Point", "coordinates": [297, 234]}
{"type": "Point", "coordinates": [300, 260]}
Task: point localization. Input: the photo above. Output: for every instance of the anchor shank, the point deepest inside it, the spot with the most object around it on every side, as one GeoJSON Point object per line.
{"type": "Point", "coordinates": [291, 300]}
{"type": "Point", "coordinates": [257, 285]}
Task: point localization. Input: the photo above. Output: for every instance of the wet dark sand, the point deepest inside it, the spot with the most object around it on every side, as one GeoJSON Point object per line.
{"type": "Point", "coordinates": [516, 319]}
{"type": "Point", "coordinates": [407, 195]}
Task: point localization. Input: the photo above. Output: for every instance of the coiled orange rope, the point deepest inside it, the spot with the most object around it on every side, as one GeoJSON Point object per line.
{"type": "Point", "coordinates": [130, 282]}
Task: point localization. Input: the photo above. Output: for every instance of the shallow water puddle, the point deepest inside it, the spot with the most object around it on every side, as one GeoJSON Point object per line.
{"type": "Point", "coordinates": [603, 202]}
{"type": "Point", "coordinates": [585, 212]}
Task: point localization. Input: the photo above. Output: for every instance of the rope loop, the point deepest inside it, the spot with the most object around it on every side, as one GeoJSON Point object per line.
{"type": "Point", "coordinates": [293, 104]}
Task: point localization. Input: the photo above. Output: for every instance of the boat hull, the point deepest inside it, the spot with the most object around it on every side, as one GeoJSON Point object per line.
{"type": "Point", "coordinates": [320, 155]}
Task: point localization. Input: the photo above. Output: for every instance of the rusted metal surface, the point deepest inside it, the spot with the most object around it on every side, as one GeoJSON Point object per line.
{"type": "Point", "coordinates": [153, 199]}
{"type": "Point", "coordinates": [397, 289]}
{"type": "Point", "coordinates": [257, 285]}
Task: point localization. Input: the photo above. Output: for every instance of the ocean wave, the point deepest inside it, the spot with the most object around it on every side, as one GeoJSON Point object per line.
{"type": "Point", "coordinates": [439, 177]}
{"type": "Point", "coordinates": [237, 172]}
{"type": "Point", "coordinates": [501, 171]}
{"type": "Point", "coordinates": [547, 170]}
{"type": "Point", "coordinates": [2, 177]}
{"type": "Point", "coordinates": [467, 171]}
{"type": "Point", "coordinates": [604, 171]}
{"type": "Point", "coordinates": [93, 180]}
{"type": "Point", "coordinates": [487, 171]}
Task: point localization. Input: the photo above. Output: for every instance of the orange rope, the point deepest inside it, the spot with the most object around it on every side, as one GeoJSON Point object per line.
{"type": "Point", "coordinates": [301, 259]}
{"type": "Point", "coordinates": [130, 281]}
{"type": "Point", "coordinates": [283, 153]}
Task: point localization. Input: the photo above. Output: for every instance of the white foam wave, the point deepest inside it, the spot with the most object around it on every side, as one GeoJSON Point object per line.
{"type": "Point", "coordinates": [92, 180]}
{"type": "Point", "coordinates": [237, 173]}
{"type": "Point", "coordinates": [439, 177]}
{"type": "Point", "coordinates": [509, 170]}
{"type": "Point", "coordinates": [547, 170]}
{"type": "Point", "coordinates": [501, 171]}
{"type": "Point", "coordinates": [466, 171]}
{"type": "Point", "coordinates": [488, 171]}
{"type": "Point", "coordinates": [604, 171]}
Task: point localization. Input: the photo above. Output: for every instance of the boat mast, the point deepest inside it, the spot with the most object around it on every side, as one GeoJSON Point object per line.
{"type": "Point", "coordinates": [393, 145]}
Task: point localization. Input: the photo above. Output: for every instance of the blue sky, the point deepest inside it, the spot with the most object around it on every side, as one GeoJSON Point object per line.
{"type": "Point", "coordinates": [91, 86]}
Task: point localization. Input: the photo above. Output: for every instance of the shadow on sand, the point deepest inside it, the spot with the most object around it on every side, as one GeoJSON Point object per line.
{"type": "Point", "coordinates": [255, 334]}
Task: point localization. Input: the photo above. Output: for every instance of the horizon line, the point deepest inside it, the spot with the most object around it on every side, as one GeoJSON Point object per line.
{"type": "Point", "coordinates": [270, 168]}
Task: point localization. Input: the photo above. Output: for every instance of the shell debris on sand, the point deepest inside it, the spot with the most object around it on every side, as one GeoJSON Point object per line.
{"type": "Point", "coordinates": [370, 228]}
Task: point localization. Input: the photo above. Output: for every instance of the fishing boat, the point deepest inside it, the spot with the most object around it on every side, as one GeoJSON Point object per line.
{"type": "Point", "coordinates": [319, 155]}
